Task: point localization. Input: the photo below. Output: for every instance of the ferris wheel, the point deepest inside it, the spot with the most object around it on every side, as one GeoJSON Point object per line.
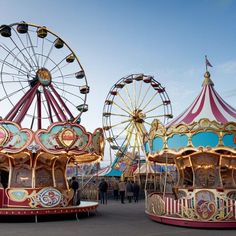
{"type": "Point", "coordinates": [42, 80]}
{"type": "Point", "coordinates": [130, 107]}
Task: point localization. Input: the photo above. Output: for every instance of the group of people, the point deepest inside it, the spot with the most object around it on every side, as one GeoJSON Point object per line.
{"type": "Point", "coordinates": [121, 189]}
{"type": "Point", "coordinates": [130, 189]}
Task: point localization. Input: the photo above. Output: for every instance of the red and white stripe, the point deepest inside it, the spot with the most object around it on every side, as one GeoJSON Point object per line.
{"type": "Point", "coordinates": [209, 105]}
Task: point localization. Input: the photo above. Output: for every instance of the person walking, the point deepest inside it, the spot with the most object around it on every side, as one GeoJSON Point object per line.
{"type": "Point", "coordinates": [75, 187]}
{"type": "Point", "coordinates": [136, 189]}
{"type": "Point", "coordinates": [129, 191]}
{"type": "Point", "coordinates": [103, 186]}
{"type": "Point", "coordinates": [122, 189]}
{"type": "Point", "coordinates": [115, 186]}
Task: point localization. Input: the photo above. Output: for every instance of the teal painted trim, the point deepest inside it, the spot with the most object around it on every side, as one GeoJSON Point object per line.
{"type": "Point", "coordinates": [157, 144]}
{"type": "Point", "coordinates": [205, 139]}
{"type": "Point", "coordinates": [177, 141]}
{"type": "Point", "coordinates": [146, 147]}
{"type": "Point", "coordinates": [228, 140]}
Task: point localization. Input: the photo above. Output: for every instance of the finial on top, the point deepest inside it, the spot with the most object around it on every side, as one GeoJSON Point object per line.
{"type": "Point", "coordinates": [207, 80]}
{"type": "Point", "coordinates": [207, 74]}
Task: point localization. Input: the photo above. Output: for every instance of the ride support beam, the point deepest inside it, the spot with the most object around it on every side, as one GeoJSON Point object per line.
{"type": "Point", "coordinates": [55, 103]}
{"type": "Point", "coordinates": [13, 112]}
{"type": "Point", "coordinates": [26, 105]}
{"type": "Point", "coordinates": [50, 104]}
{"type": "Point", "coordinates": [39, 111]}
{"type": "Point", "coordinates": [61, 101]}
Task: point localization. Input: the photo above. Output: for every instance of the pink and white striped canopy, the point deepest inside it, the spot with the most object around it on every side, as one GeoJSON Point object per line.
{"type": "Point", "coordinates": [209, 105]}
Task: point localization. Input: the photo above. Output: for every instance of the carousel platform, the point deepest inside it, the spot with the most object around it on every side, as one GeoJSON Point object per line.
{"type": "Point", "coordinates": [84, 207]}
{"type": "Point", "coordinates": [191, 223]}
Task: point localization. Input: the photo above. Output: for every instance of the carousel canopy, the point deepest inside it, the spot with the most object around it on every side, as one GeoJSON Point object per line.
{"type": "Point", "coordinates": [208, 104]}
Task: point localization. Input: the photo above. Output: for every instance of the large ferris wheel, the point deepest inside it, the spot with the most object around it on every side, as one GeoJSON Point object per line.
{"type": "Point", "coordinates": [42, 80]}
{"type": "Point", "coordinates": [130, 107]}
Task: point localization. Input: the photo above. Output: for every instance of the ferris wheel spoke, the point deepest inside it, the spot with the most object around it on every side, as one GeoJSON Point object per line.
{"type": "Point", "coordinates": [68, 92]}
{"type": "Point", "coordinates": [67, 100]}
{"type": "Point", "coordinates": [13, 75]}
{"type": "Point", "coordinates": [23, 55]}
{"type": "Point", "coordinates": [48, 55]}
{"type": "Point", "coordinates": [134, 91]}
{"type": "Point", "coordinates": [147, 91]}
{"type": "Point", "coordinates": [124, 103]}
{"type": "Point", "coordinates": [120, 123]}
{"type": "Point", "coordinates": [60, 83]}
{"type": "Point", "coordinates": [139, 94]}
{"type": "Point", "coordinates": [57, 65]}
{"type": "Point", "coordinates": [114, 114]}
{"type": "Point", "coordinates": [24, 47]}
{"type": "Point", "coordinates": [156, 116]}
{"type": "Point", "coordinates": [121, 108]}
{"type": "Point", "coordinates": [125, 128]}
{"type": "Point", "coordinates": [60, 68]}
{"type": "Point", "coordinates": [15, 57]}
{"type": "Point", "coordinates": [149, 101]}
{"type": "Point", "coordinates": [71, 75]}
{"type": "Point", "coordinates": [156, 107]}
{"type": "Point", "coordinates": [130, 100]}
{"type": "Point", "coordinates": [33, 51]}
{"type": "Point", "coordinates": [14, 81]}
{"type": "Point", "coordinates": [13, 93]}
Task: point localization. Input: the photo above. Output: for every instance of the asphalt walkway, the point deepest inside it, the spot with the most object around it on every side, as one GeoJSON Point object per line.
{"type": "Point", "coordinates": [113, 219]}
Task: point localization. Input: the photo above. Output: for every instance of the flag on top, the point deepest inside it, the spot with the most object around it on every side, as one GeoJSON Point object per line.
{"type": "Point", "coordinates": [208, 63]}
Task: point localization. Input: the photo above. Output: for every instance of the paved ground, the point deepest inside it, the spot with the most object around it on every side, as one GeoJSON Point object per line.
{"type": "Point", "coordinates": [112, 219]}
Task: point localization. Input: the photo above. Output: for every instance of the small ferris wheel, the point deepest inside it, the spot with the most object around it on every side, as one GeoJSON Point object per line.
{"type": "Point", "coordinates": [130, 107]}
{"type": "Point", "coordinates": [42, 80]}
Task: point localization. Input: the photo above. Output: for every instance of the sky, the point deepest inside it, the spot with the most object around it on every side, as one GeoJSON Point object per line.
{"type": "Point", "coordinates": [167, 39]}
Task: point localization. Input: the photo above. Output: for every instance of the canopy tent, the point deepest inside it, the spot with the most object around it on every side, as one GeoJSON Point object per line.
{"type": "Point", "coordinates": [208, 104]}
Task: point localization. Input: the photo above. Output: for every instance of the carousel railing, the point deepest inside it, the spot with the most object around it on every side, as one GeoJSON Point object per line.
{"type": "Point", "coordinates": [222, 208]}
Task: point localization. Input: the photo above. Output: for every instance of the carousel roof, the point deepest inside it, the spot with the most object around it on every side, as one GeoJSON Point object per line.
{"type": "Point", "coordinates": [208, 104]}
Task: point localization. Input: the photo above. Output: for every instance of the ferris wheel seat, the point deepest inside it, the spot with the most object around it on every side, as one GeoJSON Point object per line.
{"type": "Point", "coordinates": [22, 28]}
{"type": "Point", "coordinates": [70, 58]}
{"type": "Point", "coordinates": [147, 80]}
{"type": "Point", "coordinates": [5, 31]}
{"type": "Point", "coordinates": [84, 89]}
{"type": "Point", "coordinates": [128, 80]}
{"type": "Point", "coordinates": [82, 107]}
{"type": "Point", "coordinates": [42, 32]}
{"type": "Point", "coordinates": [79, 74]}
{"type": "Point", "coordinates": [120, 85]}
{"type": "Point", "coordinates": [166, 102]}
{"type": "Point", "coordinates": [58, 43]}
{"type": "Point", "coordinates": [113, 92]}
{"type": "Point", "coordinates": [138, 78]}
{"type": "Point", "coordinates": [108, 102]}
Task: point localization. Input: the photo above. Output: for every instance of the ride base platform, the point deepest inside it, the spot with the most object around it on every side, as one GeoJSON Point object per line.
{"type": "Point", "coordinates": [84, 207]}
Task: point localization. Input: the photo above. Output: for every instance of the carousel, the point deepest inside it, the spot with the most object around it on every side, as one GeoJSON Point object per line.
{"type": "Point", "coordinates": [42, 97]}
{"type": "Point", "coordinates": [201, 144]}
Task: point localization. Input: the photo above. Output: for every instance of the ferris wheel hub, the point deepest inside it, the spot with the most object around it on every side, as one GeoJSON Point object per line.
{"type": "Point", "coordinates": [43, 75]}
{"type": "Point", "coordinates": [138, 116]}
